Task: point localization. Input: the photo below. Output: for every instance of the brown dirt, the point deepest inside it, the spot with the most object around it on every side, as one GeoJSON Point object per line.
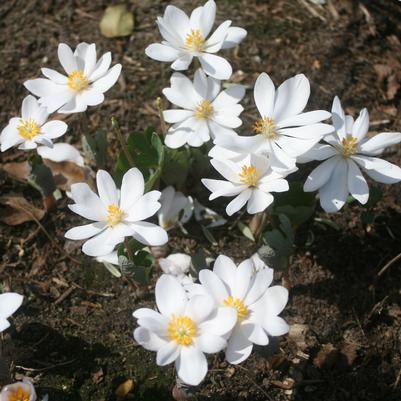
{"type": "Point", "coordinates": [73, 335]}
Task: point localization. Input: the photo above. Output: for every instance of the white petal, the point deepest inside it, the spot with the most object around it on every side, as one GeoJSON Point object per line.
{"type": "Point", "coordinates": [275, 326]}
{"type": "Point", "coordinates": [106, 188]}
{"type": "Point", "coordinates": [259, 201]}
{"type": "Point", "coordinates": [61, 152]}
{"type": "Point", "coordinates": [145, 207]}
{"type": "Point", "coordinates": [105, 242]}
{"type": "Point", "coordinates": [243, 276]}
{"type": "Point", "coordinates": [43, 87]}
{"type": "Point", "coordinates": [239, 347]}
{"type": "Point", "coordinates": [90, 60]}
{"type": "Point", "coordinates": [291, 97]}
{"type": "Point", "coordinates": [338, 117]}
{"type": "Point", "coordinates": [132, 188]}
{"type": "Point", "coordinates": [148, 340]}
{"type": "Point", "coordinates": [225, 269]}
{"type": "Point", "coordinates": [221, 188]}
{"type": "Point", "coordinates": [9, 303]}
{"type": "Point", "coordinates": [207, 17]}
{"type": "Point", "coordinates": [221, 323]}
{"type": "Point", "coordinates": [313, 131]}
{"type": "Point", "coordinates": [191, 365]}
{"type": "Point", "coordinates": [215, 66]}
{"type": "Point", "coordinates": [168, 353]}
{"type": "Point", "coordinates": [311, 117]}
{"type": "Point", "coordinates": [234, 37]}
{"type": "Point", "coordinates": [275, 300]}
{"type": "Point", "coordinates": [216, 40]}
{"type": "Point", "coordinates": [260, 282]}
{"type": "Point", "coordinates": [176, 138]}
{"type": "Point", "coordinates": [264, 93]}
{"type": "Point", "coordinates": [182, 92]}
{"type": "Point", "coordinates": [176, 19]}
{"type": "Point", "coordinates": [29, 107]}
{"type": "Point", "coordinates": [101, 67]}
{"type": "Point", "coordinates": [239, 201]}
{"type": "Point", "coordinates": [227, 169]}
{"type": "Point", "coordinates": [213, 285]}
{"type": "Point", "coordinates": [210, 343]}
{"type": "Point", "coordinates": [200, 307]}
{"type": "Point", "coordinates": [90, 97]}
{"type": "Point", "coordinates": [149, 233]}
{"type": "Point", "coordinates": [333, 194]}
{"type": "Point", "coordinates": [176, 116]}
{"type": "Point", "coordinates": [257, 334]}
{"type": "Point", "coordinates": [4, 324]}
{"type": "Point", "coordinates": [361, 125]}
{"type": "Point", "coordinates": [227, 98]}
{"type": "Point", "coordinates": [160, 52]}
{"type": "Point", "coordinates": [104, 83]}
{"type": "Point", "coordinates": [380, 141]}
{"type": "Point", "coordinates": [54, 129]}
{"type": "Point", "coordinates": [170, 296]}
{"type": "Point", "coordinates": [86, 231]}
{"type": "Point", "coordinates": [318, 152]}
{"type": "Point", "coordinates": [67, 58]}
{"type": "Point", "coordinates": [357, 184]}
{"type": "Point", "coordinates": [54, 76]}
{"type": "Point", "coordinates": [321, 174]}
{"type": "Point", "coordinates": [59, 101]}
{"type": "Point", "coordinates": [182, 63]}
{"type": "Point", "coordinates": [88, 203]}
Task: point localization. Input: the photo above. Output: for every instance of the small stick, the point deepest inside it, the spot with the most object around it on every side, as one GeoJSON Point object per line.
{"type": "Point", "coordinates": [161, 116]}
{"type": "Point", "coordinates": [388, 264]}
{"type": "Point", "coordinates": [123, 143]}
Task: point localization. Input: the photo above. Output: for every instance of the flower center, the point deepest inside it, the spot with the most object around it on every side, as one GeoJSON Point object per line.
{"type": "Point", "coordinates": [115, 215]}
{"type": "Point", "coordinates": [249, 175]}
{"type": "Point", "coordinates": [204, 110]}
{"type": "Point", "coordinates": [19, 395]}
{"type": "Point", "coordinates": [195, 41]}
{"type": "Point", "coordinates": [182, 330]}
{"type": "Point", "coordinates": [77, 81]}
{"type": "Point", "coordinates": [28, 129]}
{"type": "Point", "coordinates": [349, 146]}
{"type": "Point", "coordinates": [267, 127]}
{"type": "Point", "coordinates": [242, 310]}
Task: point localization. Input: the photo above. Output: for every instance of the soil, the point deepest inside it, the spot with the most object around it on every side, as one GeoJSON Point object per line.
{"type": "Point", "coordinates": [73, 335]}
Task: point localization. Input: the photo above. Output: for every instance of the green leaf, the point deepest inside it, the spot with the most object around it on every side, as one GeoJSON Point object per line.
{"type": "Point", "coordinates": [147, 151]}
{"type": "Point", "coordinates": [199, 260]}
{"type": "Point", "coordinates": [209, 236]}
{"type": "Point", "coordinates": [41, 176]}
{"type": "Point", "coordinates": [281, 239]}
{"type": "Point", "coordinates": [176, 166]}
{"type": "Point", "coordinates": [112, 269]}
{"type": "Point", "coordinates": [375, 196]}
{"type": "Point", "coordinates": [327, 222]}
{"type": "Point", "coordinates": [95, 147]}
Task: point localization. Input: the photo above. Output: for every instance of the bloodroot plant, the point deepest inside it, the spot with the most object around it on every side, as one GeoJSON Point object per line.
{"type": "Point", "coordinates": [158, 180]}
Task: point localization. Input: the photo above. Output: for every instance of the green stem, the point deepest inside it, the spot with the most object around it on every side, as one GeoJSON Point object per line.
{"type": "Point", "coordinates": [116, 128]}
{"type": "Point", "coordinates": [163, 125]}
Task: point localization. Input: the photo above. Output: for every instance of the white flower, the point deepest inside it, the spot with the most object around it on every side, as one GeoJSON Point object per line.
{"type": "Point", "coordinates": [84, 85]}
{"type": "Point", "coordinates": [346, 151]}
{"type": "Point", "coordinates": [205, 111]}
{"type": "Point", "coordinates": [186, 38]}
{"type": "Point", "coordinates": [9, 303]}
{"type": "Point", "coordinates": [283, 132]}
{"type": "Point", "coordinates": [20, 391]}
{"type": "Point", "coordinates": [116, 214]}
{"type": "Point", "coordinates": [175, 208]}
{"type": "Point", "coordinates": [178, 265]}
{"type": "Point", "coordinates": [61, 152]}
{"type": "Point", "coordinates": [257, 305]}
{"type": "Point", "coordinates": [32, 128]}
{"type": "Point", "coordinates": [111, 258]}
{"type": "Point", "coordinates": [205, 214]}
{"type": "Point", "coordinates": [258, 263]}
{"type": "Point", "coordinates": [183, 330]}
{"type": "Point", "coordinates": [250, 180]}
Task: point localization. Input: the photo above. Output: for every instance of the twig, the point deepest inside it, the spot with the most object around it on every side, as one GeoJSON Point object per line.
{"type": "Point", "coordinates": [388, 264]}
{"type": "Point", "coordinates": [46, 368]}
{"type": "Point", "coordinates": [117, 130]}
{"type": "Point", "coordinates": [161, 116]}
{"type": "Point", "coordinates": [51, 239]}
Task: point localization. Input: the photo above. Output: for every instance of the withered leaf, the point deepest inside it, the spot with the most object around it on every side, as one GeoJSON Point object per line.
{"type": "Point", "coordinates": [18, 210]}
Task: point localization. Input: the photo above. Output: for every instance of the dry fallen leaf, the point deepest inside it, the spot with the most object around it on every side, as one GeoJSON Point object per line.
{"type": "Point", "coordinates": [124, 388]}
{"type": "Point", "coordinates": [18, 210]}
{"type": "Point", "coordinates": [117, 21]}
{"type": "Point", "coordinates": [19, 171]}
{"type": "Point", "coordinates": [66, 173]}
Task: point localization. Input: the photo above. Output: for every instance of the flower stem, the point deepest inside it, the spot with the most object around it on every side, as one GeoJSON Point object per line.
{"type": "Point", "coordinates": [129, 250]}
{"type": "Point", "coordinates": [161, 116]}
{"type": "Point", "coordinates": [116, 128]}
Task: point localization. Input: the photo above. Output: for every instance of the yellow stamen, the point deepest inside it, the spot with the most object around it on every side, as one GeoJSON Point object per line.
{"type": "Point", "coordinates": [182, 330]}
{"type": "Point", "coordinates": [28, 129]}
{"type": "Point", "coordinates": [115, 215]}
{"type": "Point", "coordinates": [349, 146]}
{"type": "Point", "coordinates": [204, 110]}
{"type": "Point", "coordinates": [77, 81]}
{"type": "Point", "coordinates": [242, 310]}
{"type": "Point", "coordinates": [195, 41]}
{"type": "Point", "coordinates": [249, 175]}
{"type": "Point", "coordinates": [19, 395]}
{"type": "Point", "coordinates": [267, 127]}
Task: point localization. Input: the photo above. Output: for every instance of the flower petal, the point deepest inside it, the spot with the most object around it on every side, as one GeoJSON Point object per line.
{"type": "Point", "coordinates": [275, 326]}
{"type": "Point", "coordinates": [67, 58]}
{"type": "Point", "coordinates": [213, 285]}
{"type": "Point", "coordinates": [308, 118]}
{"type": "Point", "coordinates": [54, 129]}
{"type": "Point", "coordinates": [148, 340]}
{"type": "Point", "coordinates": [234, 37]}
{"type": "Point", "coordinates": [145, 207]}
{"type": "Point", "coordinates": [132, 188]}
{"type": "Point", "coordinates": [239, 201]}
{"type": "Point", "coordinates": [9, 303]}
{"type": "Point", "coordinates": [239, 346]}
{"type": "Point", "coordinates": [215, 66]}
{"type": "Point", "coordinates": [149, 233]}
{"type": "Point", "coordinates": [361, 125]}
{"type": "Point", "coordinates": [61, 152]}
{"type": "Point", "coordinates": [380, 141]}
{"type": "Point", "coordinates": [321, 174]}
{"type": "Point", "coordinates": [191, 365]}
{"type": "Point", "coordinates": [101, 67]}
{"type": "Point", "coordinates": [200, 307]}
{"type": "Point", "coordinates": [160, 52]}
{"type": "Point", "coordinates": [168, 353]}
{"type": "Point", "coordinates": [338, 117]}
{"type": "Point", "coordinates": [210, 343]}
{"type": "Point", "coordinates": [264, 94]}
{"type": "Point", "coordinates": [85, 231]}
{"type": "Point", "coordinates": [357, 185]}
{"type": "Point", "coordinates": [259, 201]}
{"type": "Point", "coordinates": [106, 188]}
{"type": "Point", "coordinates": [170, 296]}
{"type": "Point", "coordinates": [104, 83]}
